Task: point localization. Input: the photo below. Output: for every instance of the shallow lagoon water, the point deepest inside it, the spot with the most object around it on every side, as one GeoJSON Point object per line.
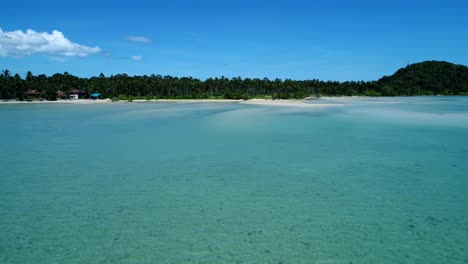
{"type": "Point", "coordinates": [369, 181]}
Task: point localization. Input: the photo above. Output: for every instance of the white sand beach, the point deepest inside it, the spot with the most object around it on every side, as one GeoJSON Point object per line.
{"type": "Point", "coordinates": [188, 101]}
{"type": "Point", "coordinates": [66, 101]}
{"type": "Point", "coordinates": [265, 102]}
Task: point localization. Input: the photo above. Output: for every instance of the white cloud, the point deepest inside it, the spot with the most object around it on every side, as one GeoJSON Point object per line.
{"type": "Point", "coordinates": [140, 39]}
{"type": "Point", "coordinates": [137, 58]}
{"type": "Point", "coordinates": [18, 43]}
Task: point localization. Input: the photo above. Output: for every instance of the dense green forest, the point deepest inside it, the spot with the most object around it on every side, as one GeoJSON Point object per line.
{"type": "Point", "coordinates": [425, 78]}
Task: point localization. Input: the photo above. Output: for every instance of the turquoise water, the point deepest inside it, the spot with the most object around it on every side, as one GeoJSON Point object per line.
{"type": "Point", "coordinates": [369, 181]}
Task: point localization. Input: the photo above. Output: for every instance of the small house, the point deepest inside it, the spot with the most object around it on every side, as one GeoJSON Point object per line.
{"type": "Point", "coordinates": [74, 97]}
{"type": "Point", "coordinates": [80, 93]}
{"type": "Point", "coordinates": [32, 93]}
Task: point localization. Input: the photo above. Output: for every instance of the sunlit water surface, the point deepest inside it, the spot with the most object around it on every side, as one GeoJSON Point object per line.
{"type": "Point", "coordinates": [370, 181]}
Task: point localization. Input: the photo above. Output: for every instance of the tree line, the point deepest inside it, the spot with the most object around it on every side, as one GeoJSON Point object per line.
{"type": "Point", "coordinates": [427, 78]}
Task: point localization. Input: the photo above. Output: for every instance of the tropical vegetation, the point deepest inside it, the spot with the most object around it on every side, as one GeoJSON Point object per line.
{"type": "Point", "coordinates": [426, 78]}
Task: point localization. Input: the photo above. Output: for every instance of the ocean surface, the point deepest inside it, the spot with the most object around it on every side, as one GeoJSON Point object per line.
{"type": "Point", "coordinates": [380, 180]}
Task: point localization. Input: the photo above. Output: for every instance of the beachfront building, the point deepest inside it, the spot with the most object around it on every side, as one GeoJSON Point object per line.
{"type": "Point", "coordinates": [32, 93]}
{"type": "Point", "coordinates": [79, 93]}
{"type": "Point", "coordinates": [95, 96]}
{"type": "Point", "coordinates": [74, 97]}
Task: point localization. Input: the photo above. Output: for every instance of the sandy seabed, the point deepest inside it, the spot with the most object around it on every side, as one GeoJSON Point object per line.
{"type": "Point", "coordinates": [288, 103]}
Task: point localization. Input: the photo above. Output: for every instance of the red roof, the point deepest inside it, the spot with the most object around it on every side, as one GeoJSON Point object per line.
{"type": "Point", "coordinates": [32, 92]}
{"type": "Point", "coordinates": [76, 91]}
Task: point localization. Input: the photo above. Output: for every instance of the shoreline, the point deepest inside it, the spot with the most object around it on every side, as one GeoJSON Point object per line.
{"type": "Point", "coordinates": [109, 101]}
{"type": "Point", "coordinates": [66, 101]}
{"type": "Point", "coordinates": [190, 101]}
{"type": "Point", "coordinates": [259, 102]}
{"type": "Point", "coordinates": [310, 102]}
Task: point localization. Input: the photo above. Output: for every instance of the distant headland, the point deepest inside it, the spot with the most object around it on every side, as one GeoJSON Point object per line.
{"type": "Point", "coordinates": [425, 78]}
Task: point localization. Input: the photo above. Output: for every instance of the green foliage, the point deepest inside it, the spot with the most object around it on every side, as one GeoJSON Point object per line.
{"type": "Point", "coordinates": [115, 99]}
{"type": "Point", "coordinates": [51, 95]}
{"type": "Point", "coordinates": [426, 78]}
{"type": "Point", "coordinates": [122, 97]}
{"type": "Point", "coordinates": [388, 91]}
{"type": "Point", "coordinates": [371, 93]}
{"type": "Point", "coordinates": [202, 96]}
{"type": "Point", "coordinates": [281, 96]}
{"type": "Point", "coordinates": [235, 95]}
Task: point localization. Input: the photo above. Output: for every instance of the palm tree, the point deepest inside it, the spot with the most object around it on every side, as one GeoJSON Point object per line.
{"type": "Point", "coordinates": [6, 73]}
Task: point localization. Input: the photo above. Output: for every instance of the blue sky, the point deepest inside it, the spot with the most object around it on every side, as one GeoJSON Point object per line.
{"type": "Point", "coordinates": [327, 40]}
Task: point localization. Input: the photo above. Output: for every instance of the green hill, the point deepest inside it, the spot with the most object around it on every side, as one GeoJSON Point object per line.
{"type": "Point", "coordinates": [429, 77]}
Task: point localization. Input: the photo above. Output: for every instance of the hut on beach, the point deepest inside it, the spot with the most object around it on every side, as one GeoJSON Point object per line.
{"type": "Point", "coordinates": [95, 96]}
{"type": "Point", "coordinates": [32, 93]}
{"type": "Point", "coordinates": [76, 94]}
